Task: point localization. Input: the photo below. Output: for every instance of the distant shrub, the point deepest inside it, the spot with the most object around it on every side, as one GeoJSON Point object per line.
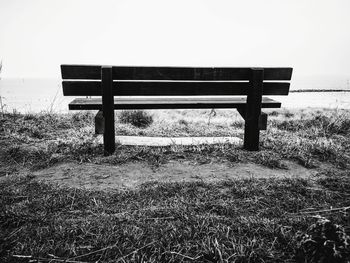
{"type": "Point", "coordinates": [137, 118]}
{"type": "Point", "coordinates": [183, 122]}
{"type": "Point", "coordinates": [274, 113]}
{"type": "Point", "coordinates": [84, 117]}
{"type": "Point", "coordinates": [288, 114]}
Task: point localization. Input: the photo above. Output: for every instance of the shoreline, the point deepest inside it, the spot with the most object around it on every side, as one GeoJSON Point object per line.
{"type": "Point", "coordinates": [319, 90]}
{"type": "Point", "coordinates": [308, 98]}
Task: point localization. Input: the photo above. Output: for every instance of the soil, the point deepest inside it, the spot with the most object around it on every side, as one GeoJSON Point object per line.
{"type": "Point", "coordinates": [132, 175]}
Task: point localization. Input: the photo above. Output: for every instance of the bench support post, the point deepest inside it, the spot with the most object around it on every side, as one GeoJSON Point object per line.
{"type": "Point", "coordinates": [108, 110]}
{"type": "Point", "coordinates": [253, 110]}
{"type": "Point", "coordinates": [262, 119]}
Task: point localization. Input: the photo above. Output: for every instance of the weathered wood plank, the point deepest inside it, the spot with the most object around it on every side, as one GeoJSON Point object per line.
{"type": "Point", "coordinates": [170, 103]}
{"type": "Point", "coordinates": [81, 72]}
{"type": "Point", "coordinates": [93, 88]}
{"type": "Point", "coordinates": [172, 73]}
{"type": "Point", "coordinates": [82, 88]}
{"type": "Point", "coordinates": [108, 111]}
{"type": "Point", "coordinates": [201, 73]}
{"type": "Point", "coordinates": [253, 111]}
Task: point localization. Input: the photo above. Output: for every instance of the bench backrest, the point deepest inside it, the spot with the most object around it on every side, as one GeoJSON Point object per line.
{"type": "Point", "coordinates": [85, 80]}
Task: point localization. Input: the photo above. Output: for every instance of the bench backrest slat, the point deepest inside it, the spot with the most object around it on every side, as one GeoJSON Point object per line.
{"type": "Point", "coordinates": [93, 88]}
{"type": "Point", "coordinates": [172, 73]}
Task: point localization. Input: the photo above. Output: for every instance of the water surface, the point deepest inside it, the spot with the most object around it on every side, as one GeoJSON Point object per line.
{"type": "Point", "coordinates": [35, 95]}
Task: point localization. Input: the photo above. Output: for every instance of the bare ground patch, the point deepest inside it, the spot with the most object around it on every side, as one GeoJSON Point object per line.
{"type": "Point", "coordinates": [132, 175]}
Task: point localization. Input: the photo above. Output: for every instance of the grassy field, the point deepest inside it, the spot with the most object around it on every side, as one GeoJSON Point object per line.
{"type": "Point", "coordinates": [250, 220]}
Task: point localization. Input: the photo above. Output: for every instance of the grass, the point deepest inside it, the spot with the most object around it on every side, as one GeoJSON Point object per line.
{"type": "Point", "coordinates": [310, 138]}
{"type": "Point", "coordinates": [255, 220]}
{"type": "Point", "coordinates": [232, 221]}
{"type": "Point", "coordinates": [137, 118]}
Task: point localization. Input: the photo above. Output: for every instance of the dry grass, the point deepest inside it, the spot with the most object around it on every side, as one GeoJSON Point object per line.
{"type": "Point", "coordinates": [232, 221]}
{"type": "Point", "coordinates": [308, 137]}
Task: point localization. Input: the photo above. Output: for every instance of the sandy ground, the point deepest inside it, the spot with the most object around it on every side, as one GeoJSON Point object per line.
{"type": "Point", "coordinates": [168, 141]}
{"type": "Point", "coordinates": [132, 175]}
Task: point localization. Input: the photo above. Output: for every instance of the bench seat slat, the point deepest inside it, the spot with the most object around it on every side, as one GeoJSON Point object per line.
{"type": "Point", "coordinates": [169, 103]}
{"type": "Point", "coordinates": [172, 73]}
{"type": "Point", "coordinates": [93, 88]}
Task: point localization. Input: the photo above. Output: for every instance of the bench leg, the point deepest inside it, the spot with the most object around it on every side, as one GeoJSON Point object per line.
{"type": "Point", "coordinates": [262, 118]}
{"type": "Point", "coordinates": [108, 110]}
{"type": "Point", "coordinates": [253, 110]}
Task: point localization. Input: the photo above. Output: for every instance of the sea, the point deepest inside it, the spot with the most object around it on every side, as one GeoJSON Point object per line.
{"type": "Point", "coordinates": [33, 95]}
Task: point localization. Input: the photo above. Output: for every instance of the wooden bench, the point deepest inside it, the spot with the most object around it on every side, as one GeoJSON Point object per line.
{"type": "Point", "coordinates": [239, 88]}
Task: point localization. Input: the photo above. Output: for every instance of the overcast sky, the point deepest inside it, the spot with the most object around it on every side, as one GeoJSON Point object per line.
{"type": "Point", "coordinates": [312, 36]}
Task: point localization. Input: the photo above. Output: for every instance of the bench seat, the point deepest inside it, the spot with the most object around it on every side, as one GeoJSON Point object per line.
{"type": "Point", "coordinates": [195, 102]}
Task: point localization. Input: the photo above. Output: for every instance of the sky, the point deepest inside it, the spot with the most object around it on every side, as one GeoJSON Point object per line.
{"type": "Point", "coordinates": [312, 36]}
